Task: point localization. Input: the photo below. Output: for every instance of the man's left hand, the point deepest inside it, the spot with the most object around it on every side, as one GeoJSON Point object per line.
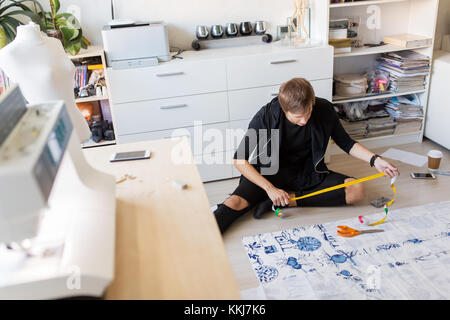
{"type": "Point", "coordinates": [388, 169]}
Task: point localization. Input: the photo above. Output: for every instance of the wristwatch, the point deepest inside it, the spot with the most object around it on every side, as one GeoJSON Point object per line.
{"type": "Point", "coordinates": [372, 160]}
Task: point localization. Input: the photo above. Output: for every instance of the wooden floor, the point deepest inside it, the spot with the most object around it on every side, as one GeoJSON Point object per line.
{"type": "Point", "coordinates": [409, 193]}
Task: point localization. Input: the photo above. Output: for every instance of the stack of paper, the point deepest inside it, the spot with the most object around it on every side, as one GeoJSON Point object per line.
{"type": "Point", "coordinates": [405, 156]}
{"type": "Point", "coordinates": [407, 69]}
{"type": "Point", "coordinates": [408, 126]}
{"type": "Point", "coordinates": [405, 107]}
{"type": "Point", "coordinates": [381, 126]}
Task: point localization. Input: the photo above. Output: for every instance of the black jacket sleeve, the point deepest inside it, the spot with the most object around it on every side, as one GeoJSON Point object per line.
{"type": "Point", "coordinates": [340, 136]}
{"type": "Point", "coordinates": [250, 141]}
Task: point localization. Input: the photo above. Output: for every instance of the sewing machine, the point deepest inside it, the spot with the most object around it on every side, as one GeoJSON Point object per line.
{"type": "Point", "coordinates": [57, 213]}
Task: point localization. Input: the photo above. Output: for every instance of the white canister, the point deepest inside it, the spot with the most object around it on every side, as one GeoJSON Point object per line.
{"type": "Point", "coordinates": [336, 34]}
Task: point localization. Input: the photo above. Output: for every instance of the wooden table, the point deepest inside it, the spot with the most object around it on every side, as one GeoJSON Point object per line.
{"type": "Point", "coordinates": [168, 244]}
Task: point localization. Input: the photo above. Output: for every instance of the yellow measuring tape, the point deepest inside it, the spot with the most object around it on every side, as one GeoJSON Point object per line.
{"type": "Point", "coordinates": [343, 185]}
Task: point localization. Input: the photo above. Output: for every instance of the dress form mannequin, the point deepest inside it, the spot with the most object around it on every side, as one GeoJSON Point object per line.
{"type": "Point", "coordinates": [40, 66]}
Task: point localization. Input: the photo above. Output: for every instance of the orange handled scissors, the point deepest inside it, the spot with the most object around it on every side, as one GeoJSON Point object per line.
{"type": "Point", "coordinates": [345, 231]}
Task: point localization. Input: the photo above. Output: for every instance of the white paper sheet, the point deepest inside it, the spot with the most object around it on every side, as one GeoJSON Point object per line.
{"type": "Point", "coordinates": [253, 294]}
{"type": "Point", "coordinates": [406, 157]}
{"type": "Point", "coordinates": [409, 260]}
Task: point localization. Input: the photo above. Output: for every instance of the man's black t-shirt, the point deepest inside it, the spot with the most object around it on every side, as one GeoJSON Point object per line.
{"type": "Point", "coordinates": [296, 154]}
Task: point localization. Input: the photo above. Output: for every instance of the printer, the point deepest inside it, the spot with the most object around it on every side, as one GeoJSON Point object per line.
{"type": "Point", "coordinates": [135, 44]}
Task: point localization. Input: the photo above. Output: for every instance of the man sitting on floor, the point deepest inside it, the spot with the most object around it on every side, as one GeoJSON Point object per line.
{"type": "Point", "coordinates": [297, 126]}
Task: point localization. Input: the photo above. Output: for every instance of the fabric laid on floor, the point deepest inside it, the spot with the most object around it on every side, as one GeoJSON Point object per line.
{"type": "Point", "coordinates": [409, 260]}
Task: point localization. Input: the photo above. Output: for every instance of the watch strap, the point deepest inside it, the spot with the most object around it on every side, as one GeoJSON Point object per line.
{"type": "Point", "coordinates": [372, 160]}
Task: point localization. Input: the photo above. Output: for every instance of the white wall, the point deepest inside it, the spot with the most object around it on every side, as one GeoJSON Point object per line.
{"type": "Point", "coordinates": [443, 22]}
{"type": "Point", "coordinates": [183, 16]}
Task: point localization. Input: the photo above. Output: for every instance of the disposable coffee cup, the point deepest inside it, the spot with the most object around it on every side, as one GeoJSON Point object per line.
{"type": "Point", "coordinates": [434, 159]}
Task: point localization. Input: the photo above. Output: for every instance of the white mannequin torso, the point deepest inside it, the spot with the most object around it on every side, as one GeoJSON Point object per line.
{"type": "Point", "coordinates": [40, 66]}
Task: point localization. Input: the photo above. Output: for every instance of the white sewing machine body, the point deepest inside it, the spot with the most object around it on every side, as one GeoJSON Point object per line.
{"type": "Point", "coordinates": [60, 209]}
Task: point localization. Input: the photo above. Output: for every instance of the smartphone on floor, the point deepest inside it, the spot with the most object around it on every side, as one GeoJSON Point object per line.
{"type": "Point", "coordinates": [417, 175]}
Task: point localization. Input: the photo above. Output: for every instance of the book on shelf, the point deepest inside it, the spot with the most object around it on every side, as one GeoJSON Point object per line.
{"type": "Point", "coordinates": [406, 40]}
{"type": "Point", "coordinates": [341, 45]}
{"type": "Point", "coordinates": [4, 82]}
{"type": "Point", "coordinates": [81, 76]}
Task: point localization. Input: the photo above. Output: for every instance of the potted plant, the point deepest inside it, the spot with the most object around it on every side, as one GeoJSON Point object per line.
{"type": "Point", "coordinates": [11, 14]}
{"type": "Point", "coordinates": [65, 27]}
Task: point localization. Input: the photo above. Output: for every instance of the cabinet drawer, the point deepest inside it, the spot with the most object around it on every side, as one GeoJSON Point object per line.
{"type": "Point", "coordinates": [153, 115]}
{"type": "Point", "coordinates": [276, 68]}
{"type": "Point", "coordinates": [245, 103]}
{"type": "Point", "coordinates": [199, 137]}
{"type": "Point", "coordinates": [214, 171]}
{"type": "Point", "coordinates": [239, 128]}
{"type": "Point", "coordinates": [167, 80]}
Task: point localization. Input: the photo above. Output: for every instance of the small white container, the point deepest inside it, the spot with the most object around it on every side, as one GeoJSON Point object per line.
{"type": "Point", "coordinates": [336, 34]}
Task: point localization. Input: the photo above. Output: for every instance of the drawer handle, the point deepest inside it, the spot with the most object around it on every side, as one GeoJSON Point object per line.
{"type": "Point", "coordinates": [274, 94]}
{"type": "Point", "coordinates": [175, 106]}
{"type": "Point", "coordinates": [180, 136]}
{"type": "Point", "coordinates": [169, 74]}
{"type": "Point", "coordinates": [283, 61]}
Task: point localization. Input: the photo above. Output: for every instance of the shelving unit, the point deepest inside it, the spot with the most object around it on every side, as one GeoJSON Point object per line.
{"type": "Point", "coordinates": [92, 99]}
{"type": "Point", "coordinates": [96, 51]}
{"type": "Point", "coordinates": [397, 17]}
{"type": "Point", "coordinates": [362, 3]}
{"type": "Point", "coordinates": [337, 99]}
{"type": "Point", "coordinates": [375, 50]}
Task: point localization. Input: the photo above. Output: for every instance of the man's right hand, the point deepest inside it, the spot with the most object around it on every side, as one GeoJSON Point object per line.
{"type": "Point", "coordinates": [279, 197]}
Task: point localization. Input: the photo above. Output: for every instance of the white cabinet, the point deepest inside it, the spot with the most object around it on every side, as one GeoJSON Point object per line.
{"type": "Point", "coordinates": [275, 68]}
{"type": "Point", "coordinates": [221, 88]}
{"type": "Point", "coordinates": [438, 115]}
{"type": "Point", "coordinates": [172, 79]}
{"type": "Point", "coordinates": [199, 136]}
{"type": "Point", "coordinates": [243, 104]}
{"type": "Point", "coordinates": [161, 114]}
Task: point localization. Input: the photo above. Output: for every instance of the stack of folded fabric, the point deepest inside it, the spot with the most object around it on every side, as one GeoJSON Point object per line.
{"type": "Point", "coordinates": [407, 69]}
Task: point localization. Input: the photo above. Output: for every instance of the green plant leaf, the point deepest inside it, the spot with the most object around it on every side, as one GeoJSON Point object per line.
{"type": "Point", "coordinates": [17, 4]}
{"type": "Point", "coordinates": [69, 20]}
{"type": "Point", "coordinates": [12, 22]}
{"type": "Point", "coordinates": [73, 48]}
{"type": "Point", "coordinates": [85, 43]}
{"type": "Point", "coordinates": [10, 35]}
{"type": "Point", "coordinates": [3, 38]}
{"type": "Point", "coordinates": [69, 34]}
{"type": "Point", "coordinates": [54, 6]}
{"type": "Point", "coordinates": [13, 5]}
{"type": "Point", "coordinates": [33, 16]}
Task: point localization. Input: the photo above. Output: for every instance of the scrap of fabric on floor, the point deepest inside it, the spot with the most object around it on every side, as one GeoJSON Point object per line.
{"type": "Point", "coordinates": [409, 260]}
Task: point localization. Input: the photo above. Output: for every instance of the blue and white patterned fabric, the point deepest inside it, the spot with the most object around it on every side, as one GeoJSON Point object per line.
{"type": "Point", "coordinates": [409, 260]}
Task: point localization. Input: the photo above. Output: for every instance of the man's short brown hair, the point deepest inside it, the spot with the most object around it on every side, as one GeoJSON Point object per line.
{"type": "Point", "coordinates": [296, 95]}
